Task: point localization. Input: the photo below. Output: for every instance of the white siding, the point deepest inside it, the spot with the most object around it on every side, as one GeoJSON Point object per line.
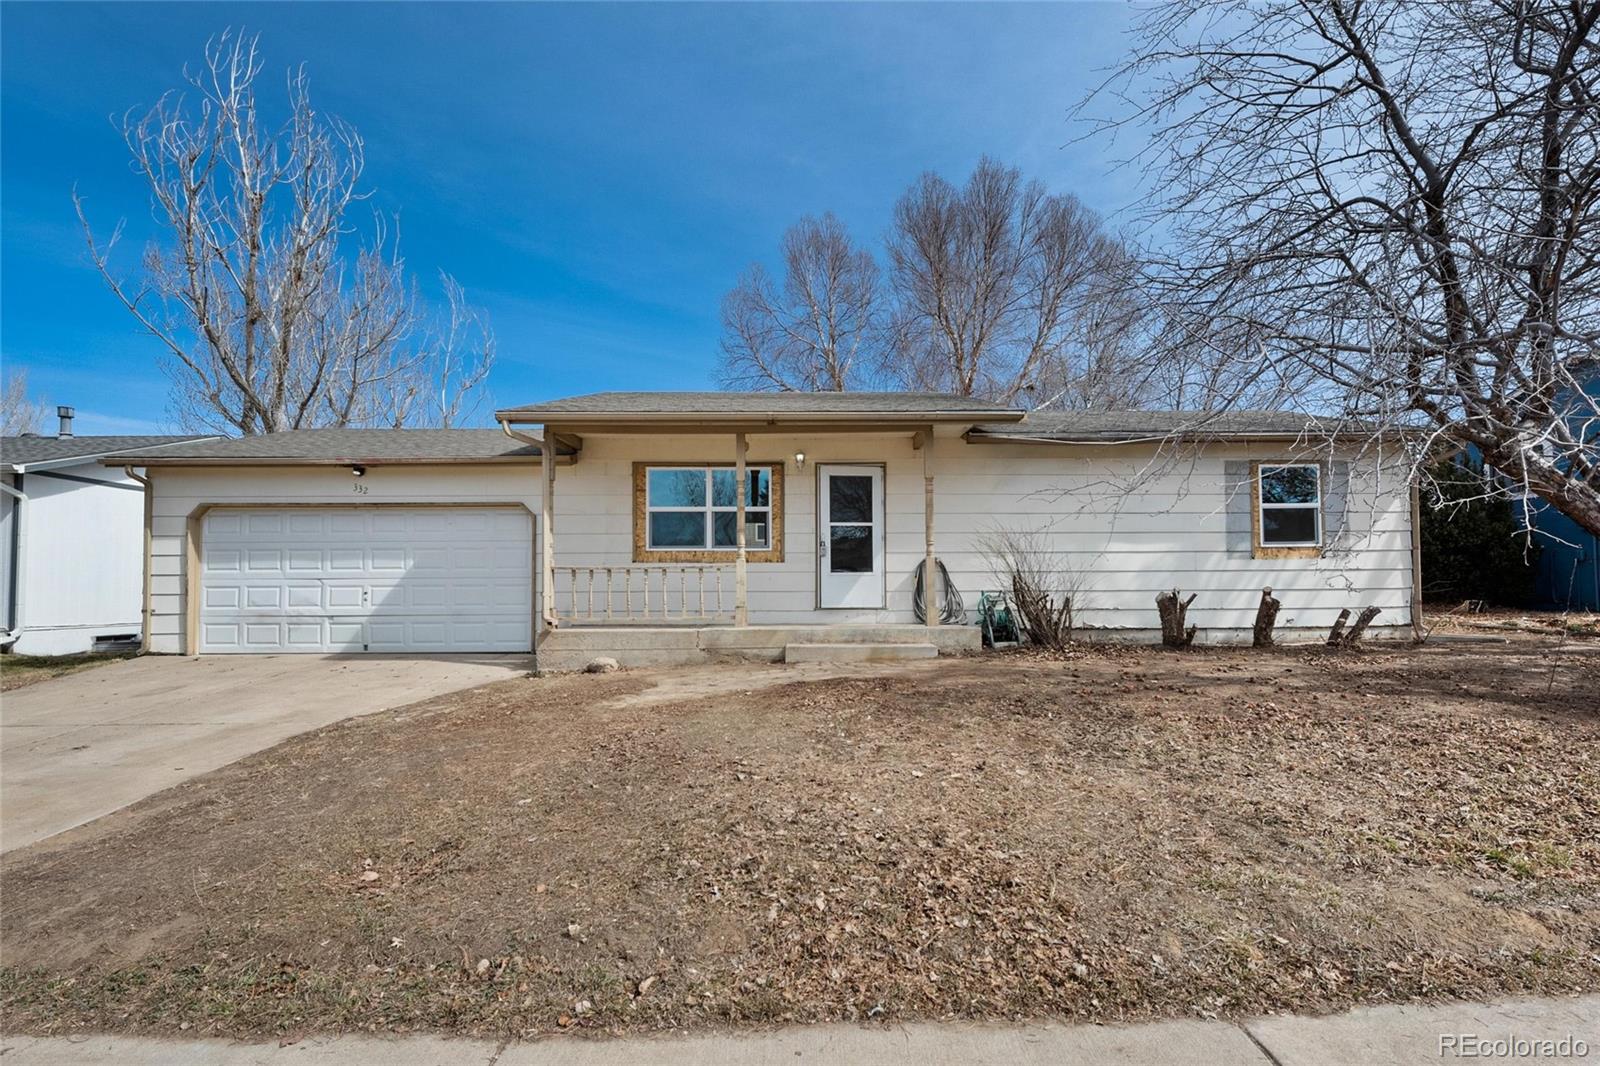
{"type": "Point", "coordinates": [82, 558]}
{"type": "Point", "coordinates": [1129, 525]}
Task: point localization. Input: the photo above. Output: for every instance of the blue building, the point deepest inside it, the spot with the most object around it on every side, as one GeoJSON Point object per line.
{"type": "Point", "coordinates": [1569, 565]}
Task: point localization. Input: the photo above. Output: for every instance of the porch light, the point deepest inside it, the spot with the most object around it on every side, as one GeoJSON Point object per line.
{"type": "Point", "coordinates": [799, 460]}
{"type": "Point", "coordinates": [358, 470]}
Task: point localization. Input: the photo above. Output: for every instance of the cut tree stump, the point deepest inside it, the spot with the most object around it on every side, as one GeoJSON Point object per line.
{"type": "Point", "coordinates": [1266, 618]}
{"type": "Point", "coordinates": [1337, 631]}
{"type": "Point", "coordinates": [1174, 612]}
{"type": "Point", "coordinates": [1337, 637]}
{"type": "Point", "coordinates": [1362, 621]}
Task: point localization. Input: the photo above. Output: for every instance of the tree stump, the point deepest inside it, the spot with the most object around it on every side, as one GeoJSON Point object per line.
{"type": "Point", "coordinates": [1174, 612]}
{"type": "Point", "coordinates": [1362, 621]}
{"type": "Point", "coordinates": [1266, 618]}
{"type": "Point", "coordinates": [1337, 631]}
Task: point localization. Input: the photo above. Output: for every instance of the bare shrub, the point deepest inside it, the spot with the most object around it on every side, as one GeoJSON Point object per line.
{"type": "Point", "coordinates": [1042, 584]}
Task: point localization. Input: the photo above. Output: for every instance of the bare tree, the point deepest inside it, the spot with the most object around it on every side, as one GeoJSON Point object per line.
{"type": "Point", "coordinates": [1005, 290]}
{"type": "Point", "coordinates": [812, 334]}
{"type": "Point", "coordinates": [1395, 206]}
{"type": "Point", "coordinates": [268, 320]}
{"type": "Point", "coordinates": [444, 387]}
{"type": "Point", "coordinates": [18, 413]}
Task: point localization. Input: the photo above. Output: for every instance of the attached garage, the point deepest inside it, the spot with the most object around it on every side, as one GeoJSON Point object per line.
{"type": "Point", "coordinates": [404, 541]}
{"type": "Point", "coordinates": [373, 579]}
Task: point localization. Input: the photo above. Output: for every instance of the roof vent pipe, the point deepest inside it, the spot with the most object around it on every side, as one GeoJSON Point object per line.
{"type": "Point", "coordinates": [65, 414]}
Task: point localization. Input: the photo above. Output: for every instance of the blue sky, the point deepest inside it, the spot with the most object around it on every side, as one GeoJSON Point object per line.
{"type": "Point", "coordinates": [596, 176]}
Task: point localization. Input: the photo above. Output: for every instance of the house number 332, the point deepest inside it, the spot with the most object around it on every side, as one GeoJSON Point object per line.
{"type": "Point", "coordinates": [358, 488]}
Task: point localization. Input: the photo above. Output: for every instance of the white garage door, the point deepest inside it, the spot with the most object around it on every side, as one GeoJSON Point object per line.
{"type": "Point", "coordinates": [379, 579]}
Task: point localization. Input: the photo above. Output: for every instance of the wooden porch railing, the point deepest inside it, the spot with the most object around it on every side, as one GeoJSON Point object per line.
{"type": "Point", "coordinates": [635, 594]}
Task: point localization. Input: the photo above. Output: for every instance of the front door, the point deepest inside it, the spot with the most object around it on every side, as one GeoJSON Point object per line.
{"type": "Point", "coordinates": [850, 533]}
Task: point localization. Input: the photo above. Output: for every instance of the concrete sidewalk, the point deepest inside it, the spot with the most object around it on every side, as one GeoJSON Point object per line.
{"type": "Point", "coordinates": [1373, 1036]}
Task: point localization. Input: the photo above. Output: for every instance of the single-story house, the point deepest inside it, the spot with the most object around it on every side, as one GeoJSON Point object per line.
{"type": "Point", "coordinates": [614, 524]}
{"type": "Point", "coordinates": [72, 520]}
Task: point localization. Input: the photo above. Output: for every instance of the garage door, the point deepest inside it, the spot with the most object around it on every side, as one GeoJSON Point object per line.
{"type": "Point", "coordinates": [377, 579]}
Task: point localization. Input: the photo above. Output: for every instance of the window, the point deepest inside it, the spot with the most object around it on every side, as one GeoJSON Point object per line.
{"type": "Point", "coordinates": [690, 513]}
{"type": "Point", "coordinates": [1290, 502]}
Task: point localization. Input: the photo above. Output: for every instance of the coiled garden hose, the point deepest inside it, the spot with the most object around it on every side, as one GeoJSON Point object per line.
{"type": "Point", "coordinates": [953, 611]}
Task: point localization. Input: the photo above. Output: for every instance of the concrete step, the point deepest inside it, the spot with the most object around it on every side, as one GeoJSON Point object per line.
{"type": "Point", "coordinates": [853, 653]}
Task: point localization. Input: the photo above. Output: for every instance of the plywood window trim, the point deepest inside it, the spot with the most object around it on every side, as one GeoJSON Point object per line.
{"type": "Point", "coordinates": [1258, 550]}
{"type": "Point", "coordinates": [643, 553]}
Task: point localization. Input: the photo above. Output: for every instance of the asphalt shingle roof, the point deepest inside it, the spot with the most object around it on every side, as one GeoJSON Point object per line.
{"type": "Point", "coordinates": [27, 449]}
{"type": "Point", "coordinates": [1111, 426]}
{"type": "Point", "coordinates": [356, 446]}
{"type": "Point", "coordinates": [756, 403]}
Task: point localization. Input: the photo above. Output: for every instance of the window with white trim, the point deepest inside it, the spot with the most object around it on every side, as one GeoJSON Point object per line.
{"type": "Point", "coordinates": [695, 508]}
{"type": "Point", "coordinates": [1290, 496]}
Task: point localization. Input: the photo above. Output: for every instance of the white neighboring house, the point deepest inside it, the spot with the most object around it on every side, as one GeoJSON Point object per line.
{"type": "Point", "coordinates": [622, 538]}
{"type": "Point", "coordinates": [71, 541]}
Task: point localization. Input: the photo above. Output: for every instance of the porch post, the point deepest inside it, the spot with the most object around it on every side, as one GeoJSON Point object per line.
{"type": "Point", "coordinates": [932, 599]}
{"type": "Point", "coordinates": [547, 529]}
{"type": "Point", "coordinates": [741, 611]}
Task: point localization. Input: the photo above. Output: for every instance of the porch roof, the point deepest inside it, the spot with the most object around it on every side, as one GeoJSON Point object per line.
{"type": "Point", "coordinates": [721, 411]}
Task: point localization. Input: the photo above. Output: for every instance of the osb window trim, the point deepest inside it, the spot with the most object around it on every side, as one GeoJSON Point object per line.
{"type": "Point", "coordinates": [643, 553]}
{"type": "Point", "coordinates": [1258, 550]}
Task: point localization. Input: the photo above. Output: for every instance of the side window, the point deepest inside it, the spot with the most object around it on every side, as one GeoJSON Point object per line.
{"type": "Point", "coordinates": [1289, 505]}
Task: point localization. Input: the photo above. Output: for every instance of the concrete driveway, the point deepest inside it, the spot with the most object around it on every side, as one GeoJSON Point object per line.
{"type": "Point", "coordinates": [81, 746]}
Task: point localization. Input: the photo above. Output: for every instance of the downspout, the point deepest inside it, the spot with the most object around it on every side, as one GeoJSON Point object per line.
{"type": "Point", "coordinates": [18, 539]}
{"type": "Point", "coordinates": [144, 574]}
{"type": "Point", "coordinates": [505, 427]}
{"type": "Point", "coordinates": [1417, 632]}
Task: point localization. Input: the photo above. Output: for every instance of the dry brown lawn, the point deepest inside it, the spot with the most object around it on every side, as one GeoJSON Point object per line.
{"type": "Point", "coordinates": [1117, 834]}
{"type": "Point", "coordinates": [19, 671]}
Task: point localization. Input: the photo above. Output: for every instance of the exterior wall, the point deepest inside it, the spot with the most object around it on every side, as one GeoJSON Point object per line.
{"type": "Point", "coordinates": [1128, 525]}
{"type": "Point", "coordinates": [180, 490]}
{"type": "Point", "coordinates": [82, 559]}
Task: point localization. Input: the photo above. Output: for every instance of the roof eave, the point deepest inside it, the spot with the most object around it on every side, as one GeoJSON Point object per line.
{"type": "Point", "coordinates": [619, 419]}
{"type": "Point", "coordinates": [978, 436]}
{"type": "Point", "coordinates": [353, 460]}
{"type": "Point", "coordinates": [98, 457]}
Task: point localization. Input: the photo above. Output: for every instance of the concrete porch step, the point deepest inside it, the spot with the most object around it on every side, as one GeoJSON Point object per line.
{"type": "Point", "coordinates": [855, 653]}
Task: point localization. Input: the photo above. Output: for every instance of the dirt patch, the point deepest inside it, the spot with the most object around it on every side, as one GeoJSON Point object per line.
{"type": "Point", "coordinates": [1112, 834]}
{"type": "Point", "coordinates": [19, 671]}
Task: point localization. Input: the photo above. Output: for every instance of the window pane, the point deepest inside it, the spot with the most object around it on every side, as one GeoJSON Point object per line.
{"type": "Point", "coordinates": [850, 549]}
{"type": "Point", "coordinates": [1288, 525]}
{"type": "Point", "coordinates": [726, 527]}
{"type": "Point", "coordinates": [850, 499]}
{"type": "Point", "coordinates": [677, 488]}
{"type": "Point", "coordinates": [1288, 484]}
{"type": "Point", "coordinates": [678, 529]}
{"type": "Point", "coordinates": [760, 488]}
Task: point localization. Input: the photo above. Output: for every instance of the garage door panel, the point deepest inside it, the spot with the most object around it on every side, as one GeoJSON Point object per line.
{"type": "Point", "coordinates": [367, 579]}
{"type": "Point", "coordinates": [223, 560]}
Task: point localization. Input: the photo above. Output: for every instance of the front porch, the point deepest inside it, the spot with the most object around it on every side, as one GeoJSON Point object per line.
{"type": "Point", "coordinates": [572, 647]}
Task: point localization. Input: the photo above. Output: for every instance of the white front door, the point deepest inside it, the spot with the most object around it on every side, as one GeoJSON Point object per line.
{"type": "Point", "coordinates": [850, 552]}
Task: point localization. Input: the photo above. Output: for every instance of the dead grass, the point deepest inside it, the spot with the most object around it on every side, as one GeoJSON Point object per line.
{"type": "Point", "coordinates": [18, 671]}
{"type": "Point", "coordinates": [1110, 834]}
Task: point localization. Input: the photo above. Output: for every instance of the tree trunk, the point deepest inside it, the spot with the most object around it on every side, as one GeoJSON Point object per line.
{"type": "Point", "coordinates": [1174, 612]}
{"type": "Point", "coordinates": [1266, 618]}
{"type": "Point", "coordinates": [1360, 627]}
{"type": "Point", "coordinates": [1338, 627]}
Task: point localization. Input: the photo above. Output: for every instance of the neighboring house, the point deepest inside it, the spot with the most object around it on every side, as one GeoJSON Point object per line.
{"type": "Point", "coordinates": [622, 537]}
{"type": "Point", "coordinates": [71, 541]}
